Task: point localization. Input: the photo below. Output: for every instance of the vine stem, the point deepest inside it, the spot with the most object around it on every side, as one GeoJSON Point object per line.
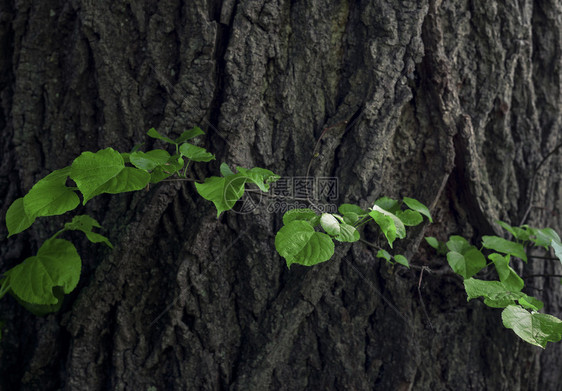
{"type": "Point", "coordinates": [543, 275]}
{"type": "Point", "coordinates": [421, 298]}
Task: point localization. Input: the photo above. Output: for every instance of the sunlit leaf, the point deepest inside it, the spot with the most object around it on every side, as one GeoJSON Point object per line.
{"type": "Point", "coordinates": [298, 242]}
{"type": "Point", "coordinates": [418, 207]}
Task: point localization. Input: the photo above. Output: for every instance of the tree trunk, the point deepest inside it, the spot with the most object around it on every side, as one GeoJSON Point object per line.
{"type": "Point", "coordinates": [453, 103]}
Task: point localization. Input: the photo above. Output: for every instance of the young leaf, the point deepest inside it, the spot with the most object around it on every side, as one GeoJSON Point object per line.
{"type": "Point", "coordinates": [85, 224]}
{"type": "Point", "coordinates": [222, 191]}
{"type": "Point", "coordinates": [150, 160]}
{"type": "Point", "coordinates": [225, 191]}
{"type": "Point", "coordinates": [330, 224]}
{"type": "Point", "coordinates": [532, 327]}
{"type": "Point", "coordinates": [391, 226]}
{"type": "Point", "coordinates": [260, 176]}
{"type": "Point", "coordinates": [530, 303]}
{"type": "Point", "coordinates": [401, 259]}
{"type": "Point", "coordinates": [458, 244]}
{"type": "Point", "coordinates": [129, 179]}
{"type": "Point", "coordinates": [468, 263]}
{"type": "Point", "coordinates": [384, 254]}
{"type": "Point", "coordinates": [348, 233]}
{"type": "Point", "coordinates": [298, 242]}
{"type": "Point", "coordinates": [16, 219]}
{"type": "Point", "coordinates": [225, 170]}
{"type": "Point", "coordinates": [299, 214]}
{"type": "Point", "coordinates": [437, 245]}
{"type": "Point", "coordinates": [386, 225]}
{"type": "Point", "coordinates": [418, 207]}
{"type": "Point", "coordinates": [409, 217]}
{"type": "Point", "coordinates": [543, 237]}
{"type": "Point", "coordinates": [189, 134]}
{"type": "Point", "coordinates": [517, 232]}
{"type": "Point", "coordinates": [91, 171]}
{"type": "Point", "coordinates": [57, 263]}
{"type": "Point", "coordinates": [509, 278]}
{"type": "Point", "coordinates": [50, 196]}
{"type": "Point", "coordinates": [557, 246]}
{"type": "Point", "coordinates": [350, 208]}
{"type": "Point", "coordinates": [504, 246]}
{"type": "Point", "coordinates": [432, 241]}
{"type": "Point", "coordinates": [388, 204]}
{"type": "Point", "coordinates": [195, 153]}
{"type": "Point", "coordinates": [476, 288]}
{"type": "Point", "coordinates": [154, 134]}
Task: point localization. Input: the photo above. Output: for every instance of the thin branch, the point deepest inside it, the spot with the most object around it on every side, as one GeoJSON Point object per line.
{"type": "Point", "coordinates": [543, 275]}
{"type": "Point", "coordinates": [421, 298]}
{"type": "Point", "coordinates": [181, 179]}
{"type": "Point", "coordinates": [370, 244]}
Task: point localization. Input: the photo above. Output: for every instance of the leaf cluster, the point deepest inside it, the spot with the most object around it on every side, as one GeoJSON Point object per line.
{"type": "Point", "coordinates": [520, 311]}
{"type": "Point", "coordinates": [301, 241]}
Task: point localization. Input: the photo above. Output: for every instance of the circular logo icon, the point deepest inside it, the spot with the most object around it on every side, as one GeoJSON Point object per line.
{"type": "Point", "coordinates": [247, 203]}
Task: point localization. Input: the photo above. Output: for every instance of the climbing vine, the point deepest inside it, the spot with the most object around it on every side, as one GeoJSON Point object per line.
{"type": "Point", "coordinates": [40, 282]}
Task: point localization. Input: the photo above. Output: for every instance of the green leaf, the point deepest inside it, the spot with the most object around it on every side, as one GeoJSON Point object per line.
{"type": "Point", "coordinates": [154, 134]}
{"type": "Point", "coordinates": [532, 327]}
{"type": "Point", "coordinates": [85, 224]}
{"type": "Point", "coordinates": [432, 241]}
{"type": "Point", "coordinates": [225, 170]}
{"type": "Point", "coordinates": [517, 232]}
{"type": "Point", "coordinates": [497, 295]}
{"type": "Point", "coordinates": [557, 246]}
{"type": "Point", "coordinates": [476, 288]}
{"type": "Point", "coordinates": [330, 224]}
{"type": "Point", "coordinates": [299, 214]}
{"type": "Point", "coordinates": [189, 134]}
{"type": "Point", "coordinates": [350, 208]}
{"type": "Point", "coordinates": [504, 246]}
{"type": "Point", "coordinates": [458, 244]}
{"type": "Point", "coordinates": [91, 171]}
{"type": "Point", "coordinates": [260, 176]}
{"type": "Point", "coordinates": [57, 263]}
{"type": "Point", "coordinates": [467, 264]}
{"type": "Point", "coordinates": [129, 179]}
{"type": "Point", "coordinates": [384, 254]}
{"type": "Point", "coordinates": [298, 242]}
{"type": "Point", "coordinates": [150, 160]}
{"type": "Point", "coordinates": [401, 259]}
{"type": "Point", "coordinates": [351, 213]}
{"type": "Point", "coordinates": [530, 303]}
{"type": "Point", "coordinates": [418, 207]}
{"type": "Point", "coordinates": [391, 226]}
{"type": "Point", "coordinates": [195, 153]}
{"type": "Point", "coordinates": [16, 219]}
{"type": "Point", "coordinates": [4, 286]}
{"type": "Point", "coordinates": [543, 237]}
{"type": "Point", "coordinates": [223, 192]}
{"type": "Point", "coordinates": [409, 217]}
{"type": "Point", "coordinates": [348, 233]}
{"type": "Point", "coordinates": [44, 309]}
{"type": "Point", "coordinates": [159, 174]}
{"type": "Point", "coordinates": [388, 204]}
{"type": "Point", "coordinates": [50, 196]}
{"type": "Point", "coordinates": [508, 276]}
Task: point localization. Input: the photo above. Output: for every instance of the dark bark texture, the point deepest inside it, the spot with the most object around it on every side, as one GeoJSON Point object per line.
{"type": "Point", "coordinates": [454, 103]}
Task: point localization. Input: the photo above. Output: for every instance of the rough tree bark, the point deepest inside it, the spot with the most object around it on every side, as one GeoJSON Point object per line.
{"type": "Point", "coordinates": [454, 103]}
